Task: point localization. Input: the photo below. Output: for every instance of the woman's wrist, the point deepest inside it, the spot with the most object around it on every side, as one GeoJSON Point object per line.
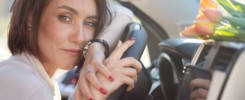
{"type": "Point", "coordinates": [96, 46]}
{"type": "Point", "coordinates": [96, 49]}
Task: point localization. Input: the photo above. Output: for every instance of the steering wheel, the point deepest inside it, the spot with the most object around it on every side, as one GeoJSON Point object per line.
{"type": "Point", "coordinates": [138, 32]}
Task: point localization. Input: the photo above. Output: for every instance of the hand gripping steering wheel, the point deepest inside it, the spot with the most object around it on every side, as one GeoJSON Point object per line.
{"type": "Point", "coordinates": [136, 31]}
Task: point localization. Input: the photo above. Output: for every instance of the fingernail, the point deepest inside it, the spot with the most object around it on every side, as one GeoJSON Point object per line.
{"type": "Point", "coordinates": [111, 78]}
{"type": "Point", "coordinates": [132, 39]}
{"type": "Point", "coordinates": [90, 98]}
{"type": "Point", "coordinates": [102, 90]}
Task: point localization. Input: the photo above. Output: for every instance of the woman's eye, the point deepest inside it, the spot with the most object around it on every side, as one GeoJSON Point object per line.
{"type": "Point", "coordinates": [90, 23]}
{"type": "Point", "coordinates": [65, 18]}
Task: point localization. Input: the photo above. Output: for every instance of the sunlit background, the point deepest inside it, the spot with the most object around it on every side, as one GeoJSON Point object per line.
{"type": "Point", "coordinates": [5, 6]}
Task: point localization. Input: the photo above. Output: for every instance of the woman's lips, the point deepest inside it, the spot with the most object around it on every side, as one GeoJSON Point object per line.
{"type": "Point", "coordinates": [73, 52]}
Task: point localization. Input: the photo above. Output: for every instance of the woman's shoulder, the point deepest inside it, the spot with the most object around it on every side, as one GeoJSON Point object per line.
{"type": "Point", "coordinates": [16, 69]}
{"type": "Point", "coordinates": [15, 72]}
{"type": "Point", "coordinates": [15, 60]}
{"type": "Point", "coordinates": [17, 77]}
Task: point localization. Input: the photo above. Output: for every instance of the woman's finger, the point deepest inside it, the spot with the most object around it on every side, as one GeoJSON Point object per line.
{"type": "Point", "coordinates": [118, 52]}
{"type": "Point", "coordinates": [78, 95]}
{"type": "Point", "coordinates": [203, 83]}
{"type": "Point", "coordinates": [131, 62]}
{"type": "Point", "coordinates": [92, 78]}
{"type": "Point", "coordinates": [128, 81]}
{"type": "Point", "coordinates": [84, 88]}
{"type": "Point", "coordinates": [95, 58]}
{"type": "Point", "coordinates": [103, 70]}
{"type": "Point", "coordinates": [130, 72]}
{"type": "Point", "coordinates": [199, 93]}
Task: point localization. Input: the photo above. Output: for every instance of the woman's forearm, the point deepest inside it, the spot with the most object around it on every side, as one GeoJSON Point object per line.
{"type": "Point", "coordinates": [121, 17]}
{"type": "Point", "coordinates": [114, 31]}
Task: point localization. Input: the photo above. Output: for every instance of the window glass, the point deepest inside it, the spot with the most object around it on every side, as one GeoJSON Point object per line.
{"type": "Point", "coordinates": [5, 6]}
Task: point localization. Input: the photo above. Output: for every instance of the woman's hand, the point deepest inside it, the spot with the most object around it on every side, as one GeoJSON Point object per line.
{"type": "Point", "coordinates": [94, 60]}
{"type": "Point", "coordinates": [199, 89]}
{"type": "Point", "coordinates": [124, 70]}
{"type": "Point", "coordinates": [129, 67]}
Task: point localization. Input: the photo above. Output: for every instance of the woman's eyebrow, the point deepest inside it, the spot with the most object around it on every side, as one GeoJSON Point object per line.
{"type": "Point", "coordinates": [75, 11]}
{"type": "Point", "coordinates": [93, 17]}
{"type": "Point", "coordinates": [69, 8]}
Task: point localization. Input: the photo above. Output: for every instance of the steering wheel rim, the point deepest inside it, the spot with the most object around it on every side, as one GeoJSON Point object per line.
{"type": "Point", "coordinates": [136, 31]}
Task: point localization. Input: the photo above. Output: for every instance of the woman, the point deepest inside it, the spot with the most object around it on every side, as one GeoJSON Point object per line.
{"type": "Point", "coordinates": [46, 35]}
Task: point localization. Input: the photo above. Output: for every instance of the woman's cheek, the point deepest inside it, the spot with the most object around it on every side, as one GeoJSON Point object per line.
{"type": "Point", "coordinates": [88, 33]}
{"type": "Point", "coordinates": [59, 31]}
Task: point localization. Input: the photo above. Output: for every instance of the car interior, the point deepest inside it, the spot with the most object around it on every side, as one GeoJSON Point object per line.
{"type": "Point", "coordinates": [175, 61]}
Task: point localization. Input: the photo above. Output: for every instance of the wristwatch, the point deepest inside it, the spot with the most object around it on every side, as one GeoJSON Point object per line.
{"type": "Point", "coordinates": [101, 41]}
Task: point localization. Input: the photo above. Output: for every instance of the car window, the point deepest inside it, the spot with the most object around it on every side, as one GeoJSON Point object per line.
{"type": "Point", "coordinates": [5, 6]}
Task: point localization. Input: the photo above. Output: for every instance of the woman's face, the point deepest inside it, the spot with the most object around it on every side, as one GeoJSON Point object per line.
{"type": "Point", "coordinates": [65, 26]}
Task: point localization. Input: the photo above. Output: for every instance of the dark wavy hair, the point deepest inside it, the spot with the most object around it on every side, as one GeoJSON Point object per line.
{"type": "Point", "coordinates": [19, 39]}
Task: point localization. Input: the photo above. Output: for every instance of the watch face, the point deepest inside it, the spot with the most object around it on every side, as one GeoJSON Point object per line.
{"type": "Point", "coordinates": [85, 48]}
